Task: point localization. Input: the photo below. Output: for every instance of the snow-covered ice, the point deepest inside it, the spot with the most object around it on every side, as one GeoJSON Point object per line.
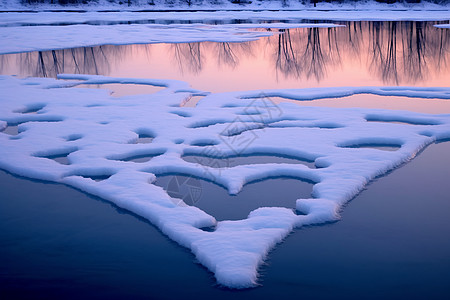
{"type": "Point", "coordinates": [38, 38]}
{"type": "Point", "coordinates": [257, 5]}
{"type": "Point", "coordinates": [442, 26]}
{"type": "Point", "coordinates": [98, 133]}
{"type": "Point", "coordinates": [44, 31]}
{"type": "Point", "coordinates": [123, 17]}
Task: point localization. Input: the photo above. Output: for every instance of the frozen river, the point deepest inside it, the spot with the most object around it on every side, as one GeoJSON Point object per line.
{"type": "Point", "coordinates": [391, 241]}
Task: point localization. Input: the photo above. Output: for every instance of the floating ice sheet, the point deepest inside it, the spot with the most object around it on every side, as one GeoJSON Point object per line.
{"type": "Point", "coordinates": [442, 26]}
{"type": "Point", "coordinates": [97, 138]}
{"type": "Point", "coordinates": [351, 13]}
{"type": "Point", "coordinates": [38, 38]}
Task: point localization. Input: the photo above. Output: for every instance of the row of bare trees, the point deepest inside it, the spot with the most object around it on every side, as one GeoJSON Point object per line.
{"type": "Point", "coordinates": [284, 3]}
{"type": "Point", "coordinates": [398, 52]}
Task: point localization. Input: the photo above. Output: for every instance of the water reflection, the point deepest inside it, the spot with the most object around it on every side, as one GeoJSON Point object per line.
{"type": "Point", "coordinates": [188, 56]}
{"type": "Point", "coordinates": [307, 53]}
{"type": "Point", "coordinates": [393, 52]}
{"type": "Point", "coordinates": [85, 60]}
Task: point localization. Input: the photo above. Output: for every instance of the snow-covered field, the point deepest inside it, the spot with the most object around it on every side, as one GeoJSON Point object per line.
{"type": "Point", "coordinates": [43, 119]}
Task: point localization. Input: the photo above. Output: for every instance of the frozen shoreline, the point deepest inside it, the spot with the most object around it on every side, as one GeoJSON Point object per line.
{"type": "Point", "coordinates": [163, 5]}
{"type": "Point", "coordinates": [12, 19]}
{"type": "Point", "coordinates": [26, 32]}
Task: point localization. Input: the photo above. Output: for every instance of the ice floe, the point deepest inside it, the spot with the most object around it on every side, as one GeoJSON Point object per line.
{"type": "Point", "coordinates": [37, 38]}
{"type": "Point", "coordinates": [87, 139]}
{"type": "Point", "coordinates": [103, 18]}
{"type": "Point", "coordinates": [27, 32]}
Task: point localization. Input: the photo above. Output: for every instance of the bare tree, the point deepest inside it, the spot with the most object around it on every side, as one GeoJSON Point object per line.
{"type": "Point", "coordinates": [286, 60]}
{"type": "Point", "coordinates": [86, 60]}
{"type": "Point", "coordinates": [190, 55]}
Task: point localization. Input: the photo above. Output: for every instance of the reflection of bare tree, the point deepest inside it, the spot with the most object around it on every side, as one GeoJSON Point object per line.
{"type": "Point", "coordinates": [87, 60]}
{"type": "Point", "coordinates": [4, 62]}
{"type": "Point", "coordinates": [314, 58]}
{"type": "Point", "coordinates": [286, 57]}
{"type": "Point", "coordinates": [226, 55]}
{"type": "Point", "coordinates": [383, 50]}
{"type": "Point", "coordinates": [388, 63]}
{"type": "Point", "coordinates": [440, 45]}
{"type": "Point", "coordinates": [354, 38]}
{"type": "Point", "coordinates": [397, 52]}
{"type": "Point", "coordinates": [375, 43]}
{"type": "Point", "coordinates": [406, 51]}
{"type": "Point", "coordinates": [190, 55]}
{"type": "Point", "coordinates": [414, 51]}
{"type": "Point", "coordinates": [307, 53]}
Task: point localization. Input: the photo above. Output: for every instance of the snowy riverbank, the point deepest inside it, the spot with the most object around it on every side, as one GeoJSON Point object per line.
{"type": "Point", "coordinates": [202, 5]}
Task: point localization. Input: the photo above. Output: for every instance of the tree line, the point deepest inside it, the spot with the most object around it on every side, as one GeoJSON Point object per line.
{"type": "Point", "coordinates": [285, 3]}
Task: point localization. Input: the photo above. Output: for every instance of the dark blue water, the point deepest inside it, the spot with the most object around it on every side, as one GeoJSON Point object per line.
{"type": "Point", "coordinates": [392, 243]}
{"type": "Point", "coordinates": [215, 200]}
